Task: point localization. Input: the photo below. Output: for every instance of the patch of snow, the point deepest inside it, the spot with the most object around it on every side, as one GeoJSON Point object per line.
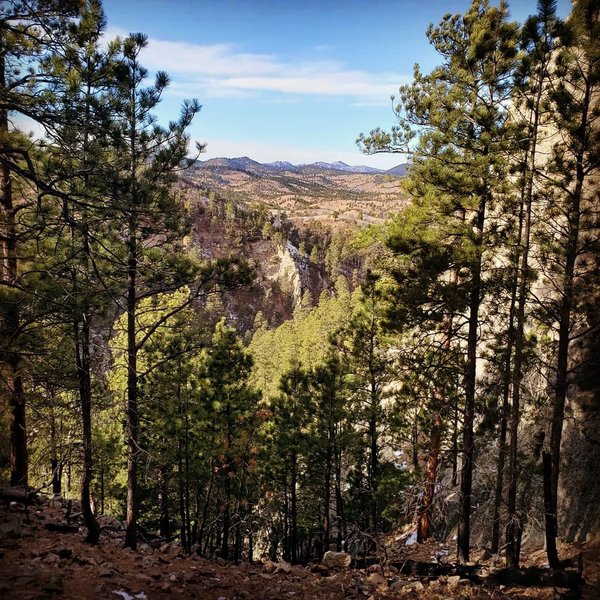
{"type": "Point", "coordinates": [412, 539]}
{"type": "Point", "coordinates": [126, 596]}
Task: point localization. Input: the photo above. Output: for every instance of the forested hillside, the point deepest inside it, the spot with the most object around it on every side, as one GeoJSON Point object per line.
{"type": "Point", "coordinates": [307, 365]}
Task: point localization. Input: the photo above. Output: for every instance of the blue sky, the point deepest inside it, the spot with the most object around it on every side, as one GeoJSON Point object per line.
{"type": "Point", "coordinates": [288, 80]}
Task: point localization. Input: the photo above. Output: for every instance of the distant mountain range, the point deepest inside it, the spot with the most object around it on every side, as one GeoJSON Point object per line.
{"type": "Point", "coordinates": [247, 164]}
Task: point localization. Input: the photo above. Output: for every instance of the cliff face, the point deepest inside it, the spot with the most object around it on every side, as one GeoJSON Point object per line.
{"type": "Point", "coordinates": [282, 273]}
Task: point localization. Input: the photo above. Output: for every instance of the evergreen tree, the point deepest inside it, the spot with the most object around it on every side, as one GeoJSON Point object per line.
{"type": "Point", "coordinates": [28, 30]}
{"type": "Point", "coordinates": [570, 224]}
{"type": "Point", "coordinates": [461, 108]}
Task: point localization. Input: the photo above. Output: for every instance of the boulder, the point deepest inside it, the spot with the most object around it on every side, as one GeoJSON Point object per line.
{"type": "Point", "coordinates": [336, 560]}
{"type": "Point", "coordinates": [377, 580]}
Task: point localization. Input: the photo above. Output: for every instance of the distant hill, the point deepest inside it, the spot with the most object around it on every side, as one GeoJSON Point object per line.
{"type": "Point", "coordinates": [399, 170]}
{"type": "Point", "coordinates": [247, 164]}
{"type": "Point", "coordinates": [319, 195]}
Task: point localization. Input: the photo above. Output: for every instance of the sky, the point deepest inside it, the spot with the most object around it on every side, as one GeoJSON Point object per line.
{"type": "Point", "coordinates": [293, 80]}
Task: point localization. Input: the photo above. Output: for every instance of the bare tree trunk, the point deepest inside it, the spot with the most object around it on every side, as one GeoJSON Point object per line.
{"type": "Point", "coordinates": [164, 521]}
{"type": "Point", "coordinates": [82, 358]}
{"type": "Point", "coordinates": [425, 525]}
{"type": "Point", "coordinates": [468, 441]}
{"type": "Point", "coordinates": [12, 361]}
{"type": "Point", "coordinates": [294, 509]}
{"type": "Point", "coordinates": [552, 470]}
{"type": "Point", "coordinates": [132, 389]}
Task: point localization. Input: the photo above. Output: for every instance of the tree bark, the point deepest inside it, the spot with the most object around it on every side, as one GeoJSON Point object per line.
{"type": "Point", "coordinates": [425, 525]}
{"type": "Point", "coordinates": [12, 361]}
{"type": "Point", "coordinates": [82, 358]}
{"type": "Point", "coordinates": [468, 441]}
{"type": "Point", "coordinates": [582, 139]}
{"type": "Point", "coordinates": [132, 389]}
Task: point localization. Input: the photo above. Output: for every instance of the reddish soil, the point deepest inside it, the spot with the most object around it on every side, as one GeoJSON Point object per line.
{"type": "Point", "coordinates": [36, 563]}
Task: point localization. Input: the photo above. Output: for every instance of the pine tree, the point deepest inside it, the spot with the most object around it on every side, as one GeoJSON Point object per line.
{"type": "Point", "coordinates": [538, 41]}
{"type": "Point", "coordinates": [27, 32]}
{"type": "Point", "coordinates": [149, 155]}
{"type": "Point", "coordinates": [461, 108]}
{"type": "Point", "coordinates": [571, 207]}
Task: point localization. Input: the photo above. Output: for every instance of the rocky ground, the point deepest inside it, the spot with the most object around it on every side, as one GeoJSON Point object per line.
{"type": "Point", "coordinates": [43, 555]}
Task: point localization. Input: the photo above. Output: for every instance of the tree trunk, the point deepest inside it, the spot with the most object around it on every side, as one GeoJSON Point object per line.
{"type": "Point", "coordinates": [425, 525]}
{"type": "Point", "coordinates": [82, 359]}
{"type": "Point", "coordinates": [468, 441]}
{"type": "Point", "coordinates": [54, 462]}
{"type": "Point", "coordinates": [502, 449]}
{"type": "Point", "coordinates": [132, 389]}
{"type": "Point", "coordinates": [226, 516]}
{"type": "Point", "coordinates": [565, 318]}
{"type": "Point", "coordinates": [182, 511]}
{"type": "Point", "coordinates": [293, 509]}
{"type": "Point", "coordinates": [14, 382]}
{"type": "Point", "coordinates": [164, 521]}
{"type": "Point", "coordinates": [374, 460]}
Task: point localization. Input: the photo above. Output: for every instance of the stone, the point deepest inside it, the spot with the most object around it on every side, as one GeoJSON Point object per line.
{"type": "Point", "coordinates": [148, 562]}
{"type": "Point", "coordinates": [336, 560]}
{"type": "Point", "coordinates": [51, 559]}
{"type": "Point", "coordinates": [65, 553]}
{"type": "Point", "coordinates": [414, 586]}
{"type": "Point", "coordinates": [11, 528]}
{"type": "Point", "coordinates": [398, 584]}
{"type": "Point", "coordinates": [377, 579]}
{"type": "Point", "coordinates": [453, 580]}
{"type": "Point", "coordinates": [269, 566]}
{"type": "Point", "coordinates": [283, 567]}
{"type": "Point", "coordinates": [106, 570]}
{"type": "Point", "coordinates": [54, 583]}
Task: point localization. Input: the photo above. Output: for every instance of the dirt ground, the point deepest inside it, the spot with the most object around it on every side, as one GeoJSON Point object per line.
{"type": "Point", "coordinates": [36, 563]}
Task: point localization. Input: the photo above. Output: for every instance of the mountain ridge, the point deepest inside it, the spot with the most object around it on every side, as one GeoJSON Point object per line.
{"type": "Point", "coordinates": [244, 163]}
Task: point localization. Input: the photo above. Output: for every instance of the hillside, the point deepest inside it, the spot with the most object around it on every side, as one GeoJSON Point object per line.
{"type": "Point", "coordinates": [43, 555]}
{"type": "Point", "coordinates": [333, 195]}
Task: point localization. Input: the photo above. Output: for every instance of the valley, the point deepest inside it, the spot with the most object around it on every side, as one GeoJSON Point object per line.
{"type": "Point", "coordinates": [316, 196]}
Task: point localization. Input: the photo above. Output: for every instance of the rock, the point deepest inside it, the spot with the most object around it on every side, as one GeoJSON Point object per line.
{"type": "Point", "coordinates": [283, 567]}
{"type": "Point", "coordinates": [148, 562]}
{"type": "Point", "coordinates": [189, 577]}
{"type": "Point", "coordinates": [106, 570]}
{"type": "Point", "coordinates": [65, 553]}
{"type": "Point", "coordinates": [51, 559]}
{"type": "Point", "coordinates": [336, 560]}
{"type": "Point", "coordinates": [414, 586]}
{"type": "Point", "coordinates": [453, 580]}
{"type": "Point", "coordinates": [377, 579]}
{"type": "Point", "coordinates": [108, 522]}
{"type": "Point", "coordinates": [54, 583]}
{"type": "Point", "coordinates": [398, 584]}
{"type": "Point", "coordinates": [269, 566]}
{"type": "Point", "coordinates": [11, 528]}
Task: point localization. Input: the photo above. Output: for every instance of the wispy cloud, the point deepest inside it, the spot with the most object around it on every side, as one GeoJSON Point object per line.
{"type": "Point", "coordinates": [223, 70]}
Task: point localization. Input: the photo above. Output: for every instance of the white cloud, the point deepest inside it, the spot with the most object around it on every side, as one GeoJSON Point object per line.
{"type": "Point", "coordinates": [222, 60]}
{"type": "Point", "coordinates": [222, 70]}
